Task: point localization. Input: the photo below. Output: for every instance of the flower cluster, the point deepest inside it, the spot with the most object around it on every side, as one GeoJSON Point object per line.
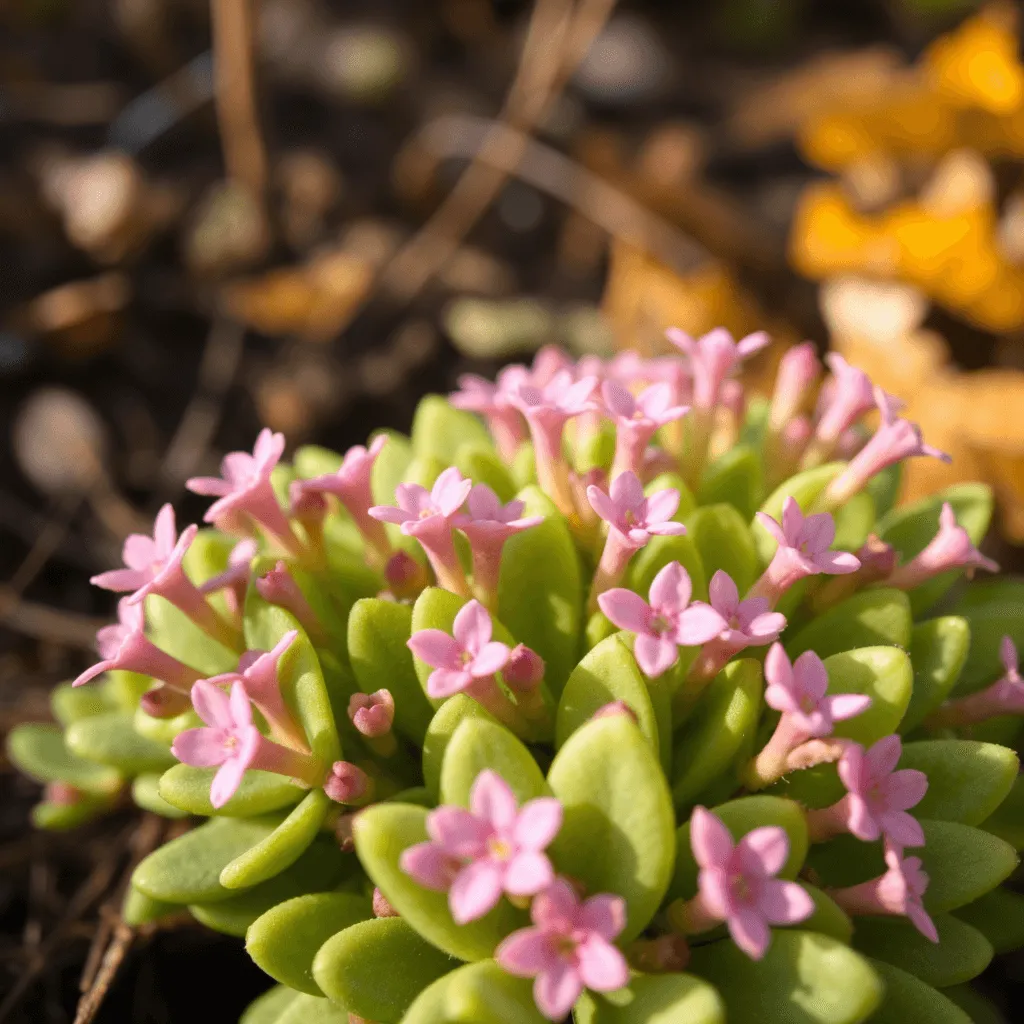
{"type": "Point", "coordinates": [610, 672]}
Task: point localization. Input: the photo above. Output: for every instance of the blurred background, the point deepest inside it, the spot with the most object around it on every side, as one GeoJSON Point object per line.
{"type": "Point", "coordinates": [305, 214]}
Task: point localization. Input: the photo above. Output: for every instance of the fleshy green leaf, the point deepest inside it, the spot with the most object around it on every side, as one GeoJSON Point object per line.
{"type": "Point", "coordinates": [376, 969]}
{"type": "Point", "coordinates": [188, 788]}
{"type": "Point", "coordinates": [724, 721]}
{"type": "Point", "coordinates": [804, 978]}
{"type": "Point", "coordinates": [480, 463]}
{"type": "Point", "coordinates": [909, 529]}
{"type": "Point", "coordinates": [1007, 820]}
{"type": "Point", "coordinates": [377, 635]}
{"type": "Point", "coordinates": [657, 553]}
{"type": "Point", "coordinates": [174, 632]}
{"type": "Point", "coordinates": [806, 488]}
{"type": "Point", "coordinates": [284, 940]}
{"type": "Point", "coordinates": [735, 478]}
{"type": "Point", "coordinates": [978, 1008]}
{"type": "Point", "coordinates": [312, 460]}
{"type": "Point", "coordinates": [885, 674]}
{"type": "Point", "coordinates": [60, 817]}
{"type": "Point", "coordinates": [304, 1009]}
{"type": "Point", "coordinates": [725, 542]}
{"type": "Point", "coordinates": [163, 730]}
{"type": "Point", "coordinates": [146, 794]}
{"type": "Point", "coordinates": [962, 863]}
{"type": "Point", "coordinates": [298, 672]}
{"type": "Point", "coordinates": [828, 917]}
{"type": "Point", "coordinates": [268, 1008]}
{"type": "Point", "coordinates": [910, 1001]}
{"type": "Point", "coordinates": [961, 953]}
{"type": "Point", "coordinates": [282, 847]}
{"type": "Point", "coordinates": [110, 739]}
{"type": "Point", "coordinates": [476, 994]}
{"type": "Point", "coordinates": [382, 832]}
{"type": "Point", "coordinates": [318, 869]}
{"type": "Point", "coordinates": [138, 909]}
{"type": "Point", "coordinates": [618, 833]}
{"type": "Point", "coordinates": [540, 596]}
{"type": "Point", "coordinates": [390, 467]}
{"type": "Point", "coordinates": [39, 751]}
{"type": "Point", "coordinates": [967, 780]}
{"type": "Point", "coordinates": [70, 703]}
{"type": "Point", "coordinates": [607, 673]}
{"type": "Point", "coordinates": [884, 487]}
{"type": "Point", "coordinates": [439, 430]}
{"type": "Point", "coordinates": [442, 727]}
{"type": "Point", "coordinates": [873, 617]}
{"type": "Point", "coordinates": [478, 744]}
{"type": "Point", "coordinates": [673, 481]}
{"type": "Point", "coordinates": [999, 916]}
{"type": "Point", "coordinates": [740, 817]}
{"type": "Point", "coordinates": [187, 869]}
{"type": "Point", "coordinates": [938, 650]}
{"type": "Point", "coordinates": [854, 521]}
{"type": "Point", "coordinates": [659, 999]}
{"type": "Point", "coordinates": [994, 609]}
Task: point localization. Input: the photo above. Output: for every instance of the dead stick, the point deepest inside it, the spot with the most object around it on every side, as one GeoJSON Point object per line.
{"type": "Point", "coordinates": [235, 94]}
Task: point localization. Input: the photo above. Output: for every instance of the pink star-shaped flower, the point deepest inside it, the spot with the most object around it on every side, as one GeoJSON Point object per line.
{"type": "Point", "coordinates": [664, 625]}
{"type": "Point", "coordinates": [798, 690]}
{"type": "Point", "coordinates": [749, 623]}
{"type": "Point", "coordinates": [846, 397]}
{"type": "Point", "coordinates": [878, 796]}
{"type": "Point", "coordinates": [950, 548]}
{"type": "Point", "coordinates": [495, 847]}
{"type": "Point", "coordinates": [712, 358]}
{"type": "Point", "coordinates": [634, 516]}
{"type": "Point", "coordinates": [150, 561]}
{"type": "Point", "coordinates": [460, 660]}
{"type": "Point", "coordinates": [569, 948]}
{"type": "Point", "coordinates": [737, 882]}
{"type": "Point", "coordinates": [637, 419]}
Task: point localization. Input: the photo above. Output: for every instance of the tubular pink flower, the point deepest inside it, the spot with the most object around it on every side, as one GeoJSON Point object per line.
{"type": "Point", "coordinates": [124, 646]}
{"type": "Point", "coordinates": [492, 402]}
{"type": "Point", "coordinates": [895, 440]}
{"type": "Point", "coordinates": [245, 494]}
{"type": "Point", "coordinates": [230, 740]}
{"type": "Point", "coordinates": [258, 671]}
{"type": "Point", "coordinates": [568, 949]}
{"type": "Point", "coordinates": [798, 372]}
{"type": "Point", "coordinates": [749, 623]}
{"type": "Point", "coordinates": [429, 517]}
{"type": "Point", "coordinates": [488, 525]}
{"type": "Point", "coordinates": [877, 799]}
{"type": "Point", "coordinates": [277, 586]}
{"type": "Point", "coordinates": [798, 691]}
{"type": "Point", "coordinates": [347, 783]}
{"type": "Point", "coordinates": [803, 550]}
{"type": "Point", "coordinates": [847, 397]}
{"type": "Point", "coordinates": [665, 624]}
{"type": "Point", "coordinates": [633, 519]}
{"type": "Point", "coordinates": [234, 580]}
{"type": "Point", "coordinates": [350, 484]}
{"type": "Point", "coordinates": [898, 892]}
{"type": "Point", "coordinates": [637, 419]}
{"type": "Point", "coordinates": [737, 884]}
{"type": "Point", "coordinates": [950, 548]}
{"type": "Point", "coordinates": [1004, 697]}
{"type": "Point", "coordinates": [154, 566]}
{"type": "Point", "coordinates": [547, 409]}
{"type": "Point", "coordinates": [495, 847]}
{"type": "Point", "coordinates": [712, 358]}
{"type": "Point", "coordinates": [463, 661]}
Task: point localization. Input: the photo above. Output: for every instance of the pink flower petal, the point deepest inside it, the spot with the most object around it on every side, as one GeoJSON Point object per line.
{"type": "Point", "coordinates": [121, 579]}
{"type": "Point", "coordinates": [208, 486]}
{"type": "Point", "coordinates": [921, 920]}
{"type": "Point", "coordinates": [458, 832]}
{"type": "Point", "coordinates": [772, 527]}
{"type": "Point", "coordinates": [212, 704]}
{"type": "Point", "coordinates": [765, 628]}
{"type": "Point", "coordinates": [388, 514]}
{"type": "Point", "coordinates": [837, 563]}
{"type": "Point", "coordinates": [698, 624]}
{"type": "Point", "coordinates": [239, 706]}
{"type": "Point", "coordinates": [859, 819]}
{"type": "Point", "coordinates": [493, 657]}
{"type": "Point", "coordinates": [492, 800]}
{"type": "Point", "coordinates": [662, 506]}
{"type": "Point", "coordinates": [475, 891]}
{"type": "Point", "coordinates": [526, 953]}
{"type": "Point", "coordinates": [201, 748]}
{"type": "Point", "coordinates": [884, 755]}
{"type": "Point", "coordinates": [902, 828]}
{"type": "Point", "coordinates": [655, 654]}
{"type": "Point", "coordinates": [671, 588]}
{"type": "Point", "coordinates": [227, 780]}
{"type": "Point", "coordinates": [847, 705]}
{"type": "Point", "coordinates": [853, 768]}
{"type": "Point", "coordinates": [538, 823]}
{"type": "Point", "coordinates": [627, 492]}
{"type": "Point", "coordinates": [164, 533]}
{"type": "Point", "coordinates": [472, 627]}
{"type": "Point", "coordinates": [792, 521]}
{"type": "Point", "coordinates": [818, 532]}
{"type": "Point", "coordinates": [764, 850]}
{"type": "Point", "coordinates": [604, 915]}
{"type": "Point", "coordinates": [750, 932]}
{"type": "Point", "coordinates": [139, 551]}
{"type": "Point", "coordinates": [556, 908]}
{"type": "Point", "coordinates": [724, 596]}
{"type": "Point", "coordinates": [710, 840]}
{"type": "Point", "coordinates": [450, 491]}
{"type": "Point", "coordinates": [602, 504]}
{"type": "Point", "coordinates": [556, 989]}
{"type": "Point", "coordinates": [1008, 654]}
{"type": "Point", "coordinates": [429, 865]}
{"type": "Point", "coordinates": [445, 682]}
{"type": "Point", "coordinates": [601, 966]}
{"type": "Point", "coordinates": [527, 873]}
{"type": "Point", "coordinates": [625, 609]}
{"type": "Point", "coordinates": [783, 902]}
{"type": "Point", "coordinates": [437, 649]}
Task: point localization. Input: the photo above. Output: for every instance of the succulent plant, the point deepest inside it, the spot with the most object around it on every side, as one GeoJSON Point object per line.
{"type": "Point", "coordinates": [612, 691]}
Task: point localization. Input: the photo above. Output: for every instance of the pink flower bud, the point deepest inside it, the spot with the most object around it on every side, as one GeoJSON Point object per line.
{"type": "Point", "coordinates": [372, 713]}
{"type": "Point", "coordinates": [405, 577]}
{"type": "Point", "coordinates": [349, 784]}
{"type": "Point", "coordinates": [616, 707]}
{"type": "Point", "coordinates": [163, 702]}
{"type": "Point", "coordinates": [381, 907]}
{"type": "Point", "coordinates": [525, 669]}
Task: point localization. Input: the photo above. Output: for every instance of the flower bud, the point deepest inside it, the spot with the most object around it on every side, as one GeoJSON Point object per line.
{"type": "Point", "coordinates": [381, 907]}
{"type": "Point", "coordinates": [349, 784]}
{"type": "Point", "coordinates": [372, 713]}
{"type": "Point", "coordinates": [524, 670]}
{"type": "Point", "coordinates": [405, 577]}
